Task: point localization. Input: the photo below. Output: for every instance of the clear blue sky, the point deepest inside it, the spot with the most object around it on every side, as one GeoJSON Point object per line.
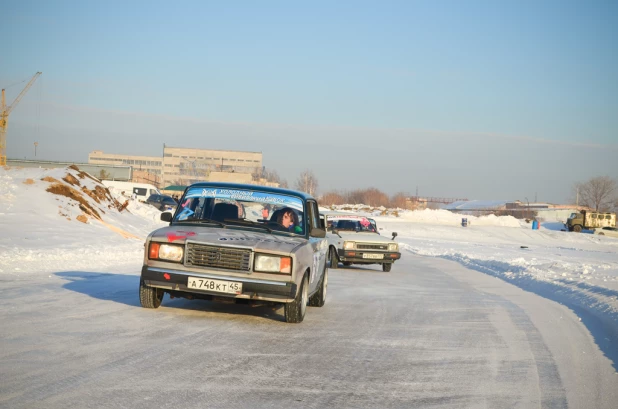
{"type": "Point", "coordinates": [430, 94]}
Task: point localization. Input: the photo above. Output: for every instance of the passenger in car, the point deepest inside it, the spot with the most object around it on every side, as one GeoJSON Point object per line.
{"type": "Point", "coordinates": [289, 219]}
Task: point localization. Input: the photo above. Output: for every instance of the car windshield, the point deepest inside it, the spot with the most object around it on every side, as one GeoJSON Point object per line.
{"type": "Point", "coordinates": [243, 209]}
{"type": "Point", "coordinates": [360, 224]}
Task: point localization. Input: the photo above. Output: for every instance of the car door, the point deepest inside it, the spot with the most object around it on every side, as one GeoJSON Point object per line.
{"type": "Point", "coordinates": [319, 246]}
{"type": "Point", "coordinates": [160, 202]}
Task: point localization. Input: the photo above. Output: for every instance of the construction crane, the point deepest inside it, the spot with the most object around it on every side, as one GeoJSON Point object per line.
{"type": "Point", "coordinates": [4, 116]}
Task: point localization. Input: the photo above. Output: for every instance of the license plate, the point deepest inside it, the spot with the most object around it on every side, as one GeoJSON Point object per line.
{"type": "Point", "coordinates": [373, 256]}
{"type": "Point", "coordinates": [220, 286]}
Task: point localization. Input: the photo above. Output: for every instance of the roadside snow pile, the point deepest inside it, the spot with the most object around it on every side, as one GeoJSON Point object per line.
{"type": "Point", "coordinates": [428, 216]}
{"type": "Point", "coordinates": [362, 209]}
{"type": "Point", "coordinates": [62, 218]}
{"type": "Point", "coordinates": [448, 218]}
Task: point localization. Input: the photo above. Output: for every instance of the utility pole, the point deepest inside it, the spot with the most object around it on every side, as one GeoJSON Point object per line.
{"type": "Point", "coordinates": [35, 145]}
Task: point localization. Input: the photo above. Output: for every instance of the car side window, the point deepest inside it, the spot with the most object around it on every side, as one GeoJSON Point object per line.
{"type": "Point", "coordinates": [314, 215]}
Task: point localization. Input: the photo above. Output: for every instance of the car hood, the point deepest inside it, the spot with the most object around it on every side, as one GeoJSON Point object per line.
{"type": "Point", "coordinates": [361, 237]}
{"type": "Point", "coordinates": [215, 236]}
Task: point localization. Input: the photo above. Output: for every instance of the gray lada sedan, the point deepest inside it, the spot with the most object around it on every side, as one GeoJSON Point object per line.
{"type": "Point", "coordinates": [242, 243]}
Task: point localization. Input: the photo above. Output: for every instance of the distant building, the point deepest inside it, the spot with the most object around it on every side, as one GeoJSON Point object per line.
{"type": "Point", "coordinates": [150, 164]}
{"type": "Point", "coordinates": [183, 166]}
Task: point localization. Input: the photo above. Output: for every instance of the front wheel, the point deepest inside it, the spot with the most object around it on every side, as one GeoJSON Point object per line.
{"type": "Point", "coordinates": [334, 260]}
{"type": "Point", "coordinates": [295, 310]}
{"type": "Point", "coordinates": [601, 234]}
{"type": "Point", "coordinates": [150, 297]}
{"type": "Point", "coordinates": [318, 299]}
{"type": "Point", "coordinates": [577, 228]}
{"type": "Point", "coordinates": [386, 267]}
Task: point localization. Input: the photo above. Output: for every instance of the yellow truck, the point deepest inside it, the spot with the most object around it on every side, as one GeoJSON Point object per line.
{"type": "Point", "coordinates": [590, 220]}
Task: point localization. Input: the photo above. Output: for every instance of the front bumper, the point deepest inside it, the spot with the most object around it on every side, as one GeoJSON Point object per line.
{"type": "Point", "coordinates": [358, 256]}
{"type": "Point", "coordinates": [252, 289]}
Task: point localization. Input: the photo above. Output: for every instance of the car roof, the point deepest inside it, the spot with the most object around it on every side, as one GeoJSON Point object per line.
{"type": "Point", "coordinates": [257, 188]}
{"type": "Point", "coordinates": [339, 215]}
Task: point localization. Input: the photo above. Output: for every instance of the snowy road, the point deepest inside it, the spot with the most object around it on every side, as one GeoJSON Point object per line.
{"type": "Point", "coordinates": [429, 334]}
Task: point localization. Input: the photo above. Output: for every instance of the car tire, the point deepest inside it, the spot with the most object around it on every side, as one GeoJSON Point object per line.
{"type": "Point", "coordinates": [386, 267]}
{"type": "Point", "coordinates": [150, 297]}
{"type": "Point", "coordinates": [334, 260]}
{"type": "Point", "coordinates": [347, 263]}
{"type": "Point", "coordinates": [601, 234]}
{"type": "Point", "coordinates": [295, 310]}
{"type": "Point", "coordinates": [319, 298]}
{"type": "Point", "coordinates": [577, 228]}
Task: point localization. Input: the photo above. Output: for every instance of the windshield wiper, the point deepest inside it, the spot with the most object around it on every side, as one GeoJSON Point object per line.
{"type": "Point", "coordinates": [202, 221]}
{"type": "Point", "coordinates": [252, 224]}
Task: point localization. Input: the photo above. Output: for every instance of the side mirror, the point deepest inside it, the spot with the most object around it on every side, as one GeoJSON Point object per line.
{"type": "Point", "coordinates": [317, 232]}
{"type": "Point", "coordinates": [394, 235]}
{"type": "Point", "coordinates": [166, 216]}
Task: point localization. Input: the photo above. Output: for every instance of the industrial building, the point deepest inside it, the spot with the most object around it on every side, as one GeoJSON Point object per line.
{"type": "Point", "coordinates": [183, 166]}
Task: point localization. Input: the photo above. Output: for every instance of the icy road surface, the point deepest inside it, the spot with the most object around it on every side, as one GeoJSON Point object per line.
{"type": "Point", "coordinates": [428, 334]}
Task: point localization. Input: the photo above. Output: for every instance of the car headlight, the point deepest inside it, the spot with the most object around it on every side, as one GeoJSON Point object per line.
{"type": "Point", "coordinates": [165, 252]}
{"type": "Point", "coordinates": [393, 247]}
{"type": "Point", "coordinates": [272, 264]}
{"type": "Point", "coordinates": [348, 245]}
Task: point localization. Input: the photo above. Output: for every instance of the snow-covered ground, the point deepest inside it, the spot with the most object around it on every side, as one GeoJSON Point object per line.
{"type": "Point", "coordinates": [45, 232]}
{"type": "Point", "coordinates": [41, 232]}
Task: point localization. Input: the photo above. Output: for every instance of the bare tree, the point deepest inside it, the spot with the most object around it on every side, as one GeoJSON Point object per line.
{"type": "Point", "coordinates": [356, 197]}
{"type": "Point", "coordinates": [598, 193]}
{"type": "Point", "coordinates": [271, 176]}
{"type": "Point", "coordinates": [332, 198]}
{"type": "Point", "coordinates": [256, 175]}
{"type": "Point", "coordinates": [375, 197]}
{"type": "Point", "coordinates": [103, 174]}
{"type": "Point", "coordinates": [369, 197]}
{"type": "Point", "coordinates": [399, 200]}
{"type": "Point", "coordinates": [307, 182]}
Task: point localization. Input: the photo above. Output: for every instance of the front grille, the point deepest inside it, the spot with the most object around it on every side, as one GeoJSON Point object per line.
{"type": "Point", "coordinates": [218, 257]}
{"type": "Point", "coordinates": [372, 246]}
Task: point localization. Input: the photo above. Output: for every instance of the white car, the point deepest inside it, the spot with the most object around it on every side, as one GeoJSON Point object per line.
{"type": "Point", "coordinates": [607, 231]}
{"type": "Point", "coordinates": [355, 239]}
